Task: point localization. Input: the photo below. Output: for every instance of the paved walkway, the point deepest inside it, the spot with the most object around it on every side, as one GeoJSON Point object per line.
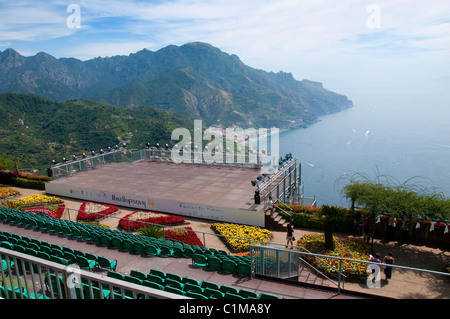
{"type": "Point", "coordinates": [404, 284]}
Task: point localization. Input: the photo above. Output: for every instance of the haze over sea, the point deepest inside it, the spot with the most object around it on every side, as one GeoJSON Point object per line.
{"type": "Point", "coordinates": [400, 134]}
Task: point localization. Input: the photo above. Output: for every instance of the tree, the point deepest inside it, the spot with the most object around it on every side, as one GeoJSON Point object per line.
{"type": "Point", "coordinates": [408, 201]}
{"type": "Point", "coordinates": [327, 215]}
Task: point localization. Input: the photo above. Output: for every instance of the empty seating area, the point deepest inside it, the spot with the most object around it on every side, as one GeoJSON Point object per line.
{"type": "Point", "coordinates": [213, 259]}
{"type": "Point", "coordinates": [187, 286]}
{"type": "Point", "coordinates": [53, 252]}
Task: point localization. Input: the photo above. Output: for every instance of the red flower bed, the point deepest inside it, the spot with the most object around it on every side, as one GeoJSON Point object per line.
{"type": "Point", "coordinates": [48, 210]}
{"type": "Point", "coordinates": [131, 223]}
{"type": "Point", "coordinates": [184, 235]}
{"type": "Point", "coordinates": [90, 211]}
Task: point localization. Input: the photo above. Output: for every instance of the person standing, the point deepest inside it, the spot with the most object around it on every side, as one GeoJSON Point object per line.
{"type": "Point", "coordinates": [389, 259]}
{"type": "Point", "coordinates": [289, 235]}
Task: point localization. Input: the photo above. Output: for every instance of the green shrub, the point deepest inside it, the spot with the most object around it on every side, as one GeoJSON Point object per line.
{"type": "Point", "coordinates": [152, 231]}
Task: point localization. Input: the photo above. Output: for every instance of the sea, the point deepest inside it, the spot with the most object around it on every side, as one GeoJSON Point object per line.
{"type": "Point", "coordinates": [405, 137]}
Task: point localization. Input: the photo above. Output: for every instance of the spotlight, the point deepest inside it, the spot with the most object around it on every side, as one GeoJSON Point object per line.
{"type": "Point", "coordinates": [157, 145]}
{"type": "Point", "coordinates": [167, 146]}
{"type": "Point", "coordinates": [64, 160]}
{"type": "Point", "coordinates": [93, 153]}
{"type": "Point", "coordinates": [84, 155]}
{"type": "Point", "coordinates": [124, 145]}
{"type": "Point", "coordinates": [148, 145]}
{"type": "Point", "coordinates": [101, 151]}
{"type": "Point", "coordinates": [116, 147]}
{"type": "Point", "coordinates": [109, 149]}
{"type": "Point", "coordinates": [54, 162]}
{"type": "Point", "coordinates": [74, 157]}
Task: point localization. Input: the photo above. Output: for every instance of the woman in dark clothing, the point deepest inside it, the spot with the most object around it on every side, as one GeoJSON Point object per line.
{"type": "Point", "coordinates": [388, 270]}
{"type": "Point", "coordinates": [289, 235]}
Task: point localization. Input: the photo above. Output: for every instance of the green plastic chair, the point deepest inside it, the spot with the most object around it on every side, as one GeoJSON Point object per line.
{"type": "Point", "coordinates": [214, 263]}
{"type": "Point", "coordinates": [105, 263]}
{"type": "Point", "coordinates": [211, 285]}
{"type": "Point", "coordinates": [211, 293]}
{"type": "Point", "coordinates": [84, 263]}
{"type": "Point", "coordinates": [152, 250]}
{"type": "Point", "coordinates": [128, 245]}
{"type": "Point", "coordinates": [173, 283]}
{"type": "Point", "coordinates": [248, 294]}
{"type": "Point", "coordinates": [229, 295]}
{"type": "Point", "coordinates": [229, 289]}
{"type": "Point", "coordinates": [192, 288]}
{"type": "Point", "coordinates": [138, 274]}
{"type": "Point", "coordinates": [166, 251]}
{"type": "Point", "coordinates": [155, 279]}
{"type": "Point", "coordinates": [244, 269]}
{"type": "Point", "coordinates": [195, 295]}
{"type": "Point", "coordinates": [117, 242]}
{"type": "Point", "coordinates": [229, 266]}
{"type": "Point", "coordinates": [199, 260]}
{"type": "Point", "coordinates": [158, 273]}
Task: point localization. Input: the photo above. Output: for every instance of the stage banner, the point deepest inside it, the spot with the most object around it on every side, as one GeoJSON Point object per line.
{"type": "Point", "coordinates": [194, 210]}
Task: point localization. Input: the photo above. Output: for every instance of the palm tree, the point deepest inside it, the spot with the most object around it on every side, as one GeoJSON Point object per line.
{"type": "Point", "coordinates": [327, 215]}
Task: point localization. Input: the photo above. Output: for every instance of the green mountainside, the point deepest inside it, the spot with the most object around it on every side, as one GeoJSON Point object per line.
{"type": "Point", "coordinates": [35, 130]}
{"type": "Point", "coordinates": [195, 80]}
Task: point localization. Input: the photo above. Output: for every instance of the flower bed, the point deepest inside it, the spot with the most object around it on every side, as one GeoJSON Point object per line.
{"type": "Point", "coordinates": [51, 211]}
{"type": "Point", "coordinates": [183, 235]}
{"type": "Point", "coordinates": [352, 248]}
{"type": "Point", "coordinates": [37, 200]}
{"type": "Point", "coordinates": [90, 211]}
{"type": "Point", "coordinates": [136, 220]}
{"type": "Point", "coordinates": [7, 192]}
{"type": "Point", "coordinates": [246, 235]}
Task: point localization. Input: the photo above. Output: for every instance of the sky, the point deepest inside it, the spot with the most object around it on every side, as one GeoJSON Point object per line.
{"type": "Point", "coordinates": [357, 48]}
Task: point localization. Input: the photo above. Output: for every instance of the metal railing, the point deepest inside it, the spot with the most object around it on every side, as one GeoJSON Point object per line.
{"type": "Point", "coordinates": [27, 277]}
{"type": "Point", "coordinates": [34, 278]}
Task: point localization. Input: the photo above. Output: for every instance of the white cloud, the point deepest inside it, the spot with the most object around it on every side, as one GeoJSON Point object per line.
{"type": "Point", "coordinates": [320, 39]}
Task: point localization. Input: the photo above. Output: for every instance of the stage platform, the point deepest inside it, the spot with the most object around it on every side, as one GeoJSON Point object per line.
{"type": "Point", "coordinates": [222, 193]}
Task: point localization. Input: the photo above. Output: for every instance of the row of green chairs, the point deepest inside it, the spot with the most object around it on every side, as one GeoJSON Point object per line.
{"type": "Point", "coordinates": [19, 293]}
{"type": "Point", "coordinates": [223, 263]}
{"type": "Point", "coordinates": [191, 287]}
{"type": "Point", "coordinates": [55, 253]}
{"type": "Point", "coordinates": [139, 244]}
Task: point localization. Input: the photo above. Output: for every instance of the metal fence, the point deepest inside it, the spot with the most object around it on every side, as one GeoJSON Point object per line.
{"type": "Point", "coordinates": [27, 277]}
{"type": "Point", "coordinates": [280, 263]}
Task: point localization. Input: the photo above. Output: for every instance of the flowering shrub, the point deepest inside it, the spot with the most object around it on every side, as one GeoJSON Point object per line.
{"type": "Point", "coordinates": [90, 211]}
{"type": "Point", "coordinates": [7, 192]}
{"type": "Point", "coordinates": [246, 235]}
{"type": "Point", "coordinates": [184, 235]}
{"type": "Point", "coordinates": [298, 208]}
{"type": "Point", "coordinates": [140, 219]}
{"type": "Point", "coordinates": [34, 199]}
{"type": "Point", "coordinates": [352, 248]}
{"type": "Point", "coordinates": [51, 211]}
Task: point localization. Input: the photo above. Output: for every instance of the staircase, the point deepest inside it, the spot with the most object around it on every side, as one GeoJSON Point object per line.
{"type": "Point", "coordinates": [276, 222]}
{"type": "Point", "coordinates": [309, 276]}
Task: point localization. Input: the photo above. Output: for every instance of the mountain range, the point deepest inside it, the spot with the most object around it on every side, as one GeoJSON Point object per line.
{"type": "Point", "coordinates": [195, 80]}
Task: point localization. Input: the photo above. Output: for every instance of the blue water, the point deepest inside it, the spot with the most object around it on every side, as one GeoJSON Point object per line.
{"type": "Point", "coordinates": [401, 138]}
